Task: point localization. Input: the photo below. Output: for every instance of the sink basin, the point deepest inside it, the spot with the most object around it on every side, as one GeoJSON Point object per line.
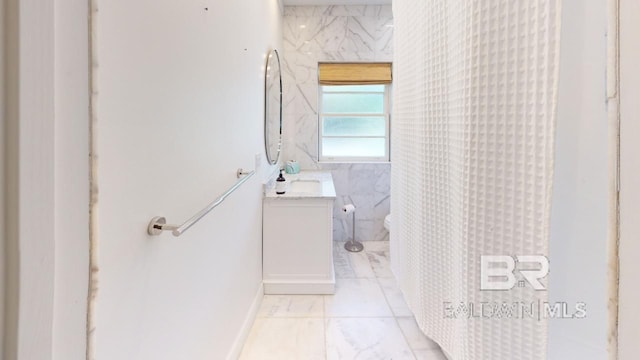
{"type": "Point", "coordinates": [305, 186]}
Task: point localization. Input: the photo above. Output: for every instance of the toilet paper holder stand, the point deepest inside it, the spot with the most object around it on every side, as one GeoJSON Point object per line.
{"type": "Point", "coordinates": [352, 245]}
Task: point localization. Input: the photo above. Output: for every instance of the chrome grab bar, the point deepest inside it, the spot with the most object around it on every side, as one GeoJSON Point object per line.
{"type": "Point", "coordinates": [159, 224]}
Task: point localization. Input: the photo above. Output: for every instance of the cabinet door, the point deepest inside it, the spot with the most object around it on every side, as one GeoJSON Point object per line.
{"type": "Point", "coordinates": [297, 240]}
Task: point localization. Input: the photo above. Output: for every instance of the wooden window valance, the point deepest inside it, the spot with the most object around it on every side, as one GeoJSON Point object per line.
{"type": "Point", "coordinates": [354, 73]}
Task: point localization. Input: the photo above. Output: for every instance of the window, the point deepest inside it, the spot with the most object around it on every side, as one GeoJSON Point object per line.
{"type": "Point", "coordinates": [354, 123]}
{"type": "Point", "coordinates": [354, 116]}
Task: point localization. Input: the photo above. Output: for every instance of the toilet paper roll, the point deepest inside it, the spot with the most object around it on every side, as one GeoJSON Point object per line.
{"type": "Point", "coordinates": [348, 209]}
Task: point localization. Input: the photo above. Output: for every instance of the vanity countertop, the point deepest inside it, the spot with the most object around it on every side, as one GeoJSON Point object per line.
{"type": "Point", "coordinates": [326, 189]}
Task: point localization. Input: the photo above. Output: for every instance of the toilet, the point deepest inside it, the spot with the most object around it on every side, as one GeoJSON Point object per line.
{"type": "Point", "coordinates": [387, 222]}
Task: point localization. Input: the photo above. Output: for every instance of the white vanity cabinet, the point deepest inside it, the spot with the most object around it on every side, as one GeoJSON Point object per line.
{"type": "Point", "coordinates": [298, 237]}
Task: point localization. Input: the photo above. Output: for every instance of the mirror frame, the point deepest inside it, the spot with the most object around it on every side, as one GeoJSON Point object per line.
{"type": "Point", "coordinates": [273, 54]}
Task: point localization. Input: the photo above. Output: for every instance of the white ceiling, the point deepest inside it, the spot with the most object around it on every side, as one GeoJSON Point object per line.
{"type": "Point", "coordinates": [335, 2]}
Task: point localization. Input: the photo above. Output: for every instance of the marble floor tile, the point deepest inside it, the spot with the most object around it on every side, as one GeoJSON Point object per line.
{"type": "Point", "coordinates": [357, 322]}
{"type": "Point", "coordinates": [378, 254]}
{"type": "Point", "coordinates": [357, 298]}
{"type": "Point", "coordinates": [394, 297]}
{"type": "Point", "coordinates": [361, 266]}
{"type": "Point", "coordinates": [429, 355]}
{"type": "Point", "coordinates": [415, 337]}
{"type": "Point", "coordinates": [366, 338]}
{"type": "Point", "coordinates": [380, 263]}
{"type": "Point", "coordinates": [351, 265]}
{"type": "Point", "coordinates": [341, 264]}
{"type": "Point", "coordinates": [292, 306]}
{"type": "Point", "coordinates": [285, 339]}
{"type": "Point", "coordinates": [376, 246]}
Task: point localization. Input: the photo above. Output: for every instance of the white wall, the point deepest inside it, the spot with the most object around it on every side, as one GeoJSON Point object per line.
{"type": "Point", "coordinates": [629, 313]}
{"type": "Point", "coordinates": [580, 195]}
{"type": "Point", "coordinates": [180, 88]}
{"type": "Point", "coordinates": [30, 183]}
{"type": "Point", "coordinates": [10, 247]}
{"type": "Point", "coordinates": [71, 179]}
{"type": "Point", "coordinates": [46, 159]}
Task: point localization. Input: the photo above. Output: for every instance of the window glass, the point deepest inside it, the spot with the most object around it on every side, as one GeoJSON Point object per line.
{"type": "Point", "coordinates": [353, 103]}
{"type": "Point", "coordinates": [354, 126]}
{"type": "Point", "coordinates": [354, 123]}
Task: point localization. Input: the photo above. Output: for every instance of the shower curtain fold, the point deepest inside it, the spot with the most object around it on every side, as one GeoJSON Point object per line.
{"type": "Point", "coordinates": [475, 87]}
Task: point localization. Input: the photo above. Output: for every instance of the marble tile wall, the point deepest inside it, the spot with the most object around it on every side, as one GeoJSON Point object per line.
{"type": "Point", "coordinates": [315, 34]}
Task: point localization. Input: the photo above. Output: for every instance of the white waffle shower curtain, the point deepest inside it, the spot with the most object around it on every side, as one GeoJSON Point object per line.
{"type": "Point", "coordinates": [472, 151]}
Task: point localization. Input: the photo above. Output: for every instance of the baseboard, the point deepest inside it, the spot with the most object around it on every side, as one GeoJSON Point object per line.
{"type": "Point", "coordinates": [236, 349]}
{"type": "Point", "coordinates": [306, 287]}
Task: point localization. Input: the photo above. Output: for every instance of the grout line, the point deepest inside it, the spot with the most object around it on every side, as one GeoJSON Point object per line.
{"type": "Point", "coordinates": [413, 351]}
{"type": "Point", "coordinates": [404, 336]}
{"type": "Point", "coordinates": [395, 317]}
{"type": "Point", "coordinates": [324, 328]}
{"type": "Point", "coordinates": [376, 278]}
{"type": "Point", "coordinates": [324, 306]}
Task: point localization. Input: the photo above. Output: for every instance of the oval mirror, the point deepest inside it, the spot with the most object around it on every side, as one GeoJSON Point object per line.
{"type": "Point", "coordinates": [273, 108]}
